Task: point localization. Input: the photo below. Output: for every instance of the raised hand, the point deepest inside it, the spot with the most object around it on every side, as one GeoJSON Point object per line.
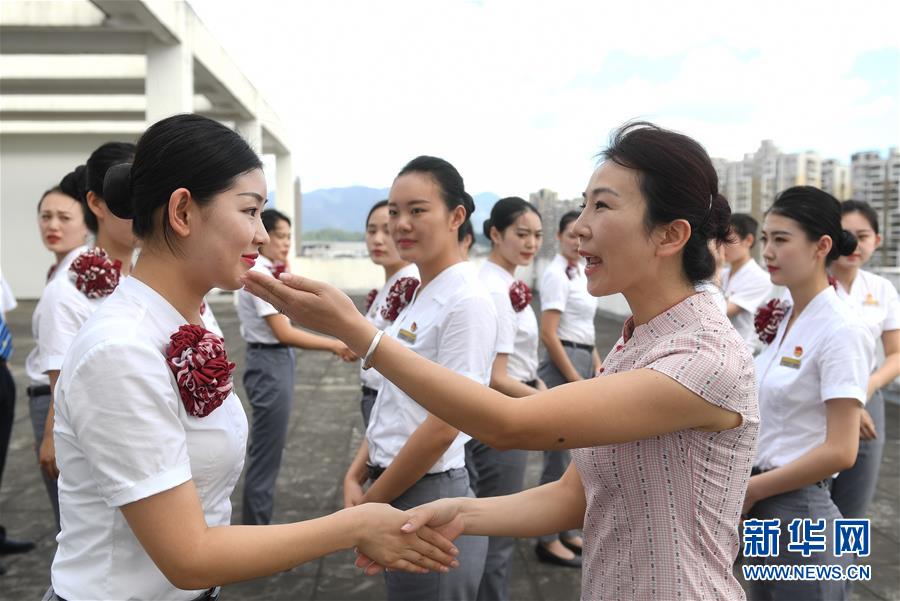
{"type": "Point", "coordinates": [311, 304]}
{"type": "Point", "coordinates": [384, 540]}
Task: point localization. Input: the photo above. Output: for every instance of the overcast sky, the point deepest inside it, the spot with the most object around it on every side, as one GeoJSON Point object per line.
{"type": "Point", "coordinates": [522, 95]}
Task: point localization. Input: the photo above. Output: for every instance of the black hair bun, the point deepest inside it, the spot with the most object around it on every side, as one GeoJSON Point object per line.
{"type": "Point", "coordinates": [486, 228]}
{"type": "Point", "coordinates": [117, 190]}
{"type": "Point", "coordinates": [847, 243]}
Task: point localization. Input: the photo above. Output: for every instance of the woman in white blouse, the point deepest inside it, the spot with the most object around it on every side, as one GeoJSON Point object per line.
{"type": "Point", "coordinates": [150, 435]}
{"type": "Point", "coordinates": [567, 331]}
{"type": "Point", "coordinates": [61, 220]}
{"type": "Point", "coordinates": [64, 307]}
{"type": "Point", "coordinates": [399, 276]}
{"type": "Point", "coordinates": [410, 456]}
{"type": "Point", "coordinates": [813, 378]}
{"type": "Point", "coordinates": [269, 367]}
{"type": "Point", "coordinates": [515, 232]}
{"type": "Point", "coordinates": [876, 301]}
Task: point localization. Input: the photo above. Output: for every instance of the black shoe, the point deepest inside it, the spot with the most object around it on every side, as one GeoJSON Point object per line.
{"type": "Point", "coordinates": [8, 546]}
{"type": "Point", "coordinates": [576, 549]}
{"type": "Point", "coordinates": [546, 556]}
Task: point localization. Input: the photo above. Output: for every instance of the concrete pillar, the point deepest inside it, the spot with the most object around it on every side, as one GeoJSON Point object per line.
{"type": "Point", "coordinates": [170, 77]}
{"type": "Point", "coordinates": [251, 131]}
{"type": "Point", "coordinates": [285, 200]}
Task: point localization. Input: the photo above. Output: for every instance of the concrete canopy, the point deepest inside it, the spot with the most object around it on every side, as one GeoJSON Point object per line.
{"type": "Point", "coordinates": [75, 72]}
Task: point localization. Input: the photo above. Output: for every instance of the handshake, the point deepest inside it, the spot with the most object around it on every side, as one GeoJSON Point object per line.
{"type": "Point", "coordinates": [418, 541]}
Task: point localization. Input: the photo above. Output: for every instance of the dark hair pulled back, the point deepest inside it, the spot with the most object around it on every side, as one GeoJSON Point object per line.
{"type": "Point", "coordinates": [505, 212]}
{"type": "Point", "coordinates": [107, 155]}
{"type": "Point", "coordinates": [566, 219]}
{"type": "Point", "coordinates": [183, 151]}
{"type": "Point", "coordinates": [819, 214]}
{"type": "Point", "coordinates": [375, 207]}
{"type": "Point", "coordinates": [447, 178]}
{"type": "Point", "coordinates": [678, 181]}
{"type": "Point", "coordinates": [73, 185]}
{"type": "Point", "coordinates": [864, 209]}
{"type": "Point", "coordinates": [271, 217]}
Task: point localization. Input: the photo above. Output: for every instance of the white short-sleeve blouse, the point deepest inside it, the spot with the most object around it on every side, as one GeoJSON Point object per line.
{"type": "Point", "coordinates": [122, 434]}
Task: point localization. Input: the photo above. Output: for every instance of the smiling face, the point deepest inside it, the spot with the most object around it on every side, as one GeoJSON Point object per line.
{"type": "Point", "coordinates": [279, 245]}
{"type": "Point", "coordinates": [867, 241]}
{"type": "Point", "coordinates": [422, 227]}
{"type": "Point", "coordinates": [61, 222]}
{"type": "Point", "coordinates": [790, 256]}
{"type": "Point", "coordinates": [226, 232]}
{"type": "Point", "coordinates": [611, 231]}
{"type": "Point", "coordinates": [521, 240]}
{"type": "Point", "coordinates": [379, 243]}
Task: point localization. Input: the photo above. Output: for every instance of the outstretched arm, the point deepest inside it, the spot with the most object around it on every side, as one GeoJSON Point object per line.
{"type": "Point", "coordinates": [614, 409]}
{"type": "Point", "coordinates": [172, 529]}
{"type": "Point", "coordinates": [553, 507]}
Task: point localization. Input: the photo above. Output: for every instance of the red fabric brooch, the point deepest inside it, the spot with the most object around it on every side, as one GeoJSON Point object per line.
{"type": "Point", "coordinates": [572, 270]}
{"type": "Point", "coordinates": [520, 295]}
{"type": "Point", "coordinates": [370, 298]}
{"type": "Point", "coordinates": [201, 368]}
{"type": "Point", "coordinates": [277, 268]}
{"type": "Point", "coordinates": [398, 297]}
{"type": "Point", "coordinates": [768, 317]}
{"type": "Point", "coordinates": [94, 274]}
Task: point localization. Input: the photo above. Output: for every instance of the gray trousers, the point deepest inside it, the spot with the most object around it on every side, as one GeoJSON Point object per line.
{"type": "Point", "coordinates": [494, 473]}
{"type": "Point", "coordinates": [813, 502]}
{"type": "Point", "coordinates": [366, 403]}
{"type": "Point", "coordinates": [459, 584]}
{"type": "Point", "coordinates": [854, 488]}
{"type": "Point", "coordinates": [38, 408]}
{"type": "Point", "coordinates": [269, 381]}
{"type": "Point", "coordinates": [556, 462]}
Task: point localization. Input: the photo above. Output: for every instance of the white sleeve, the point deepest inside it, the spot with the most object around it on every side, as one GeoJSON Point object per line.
{"type": "Point", "coordinates": [844, 362]}
{"type": "Point", "coordinates": [62, 315]}
{"type": "Point", "coordinates": [468, 339]}
{"type": "Point", "coordinates": [892, 309]}
{"type": "Point", "coordinates": [749, 293]}
{"type": "Point", "coordinates": [506, 323]}
{"type": "Point", "coordinates": [554, 290]}
{"type": "Point", "coordinates": [123, 408]}
{"type": "Point", "coordinates": [262, 308]}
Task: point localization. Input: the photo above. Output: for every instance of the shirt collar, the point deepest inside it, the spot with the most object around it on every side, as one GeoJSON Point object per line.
{"type": "Point", "coordinates": [670, 320]}
{"type": "Point", "coordinates": [507, 277]}
{"type": "Point", "coordinates": [63, 265]}
{"type": "Point", "coordinates": [164, 314]}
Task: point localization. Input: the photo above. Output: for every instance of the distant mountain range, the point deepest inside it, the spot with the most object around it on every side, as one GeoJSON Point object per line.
{"type": "Point", "coordinates": [346, 208]}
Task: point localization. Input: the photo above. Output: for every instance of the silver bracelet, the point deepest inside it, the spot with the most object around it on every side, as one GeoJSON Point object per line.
{"type": "Point", "coordinates": [367, 362]}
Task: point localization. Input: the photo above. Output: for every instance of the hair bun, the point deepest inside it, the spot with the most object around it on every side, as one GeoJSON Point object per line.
{"type": "Point", "coordinates": [486, 228]}
{"type": "Point", "coordinates": [847, 243]}
{"type": "Point", "coordinates": [117, 190]}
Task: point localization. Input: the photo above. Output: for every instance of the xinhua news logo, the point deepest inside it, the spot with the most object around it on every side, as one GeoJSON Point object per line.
{"type": "Point", "coordinates": [762, 538]}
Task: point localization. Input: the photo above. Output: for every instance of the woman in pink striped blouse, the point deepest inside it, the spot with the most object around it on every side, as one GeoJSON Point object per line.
{"type": "Point", "coordinates": [663, 442]}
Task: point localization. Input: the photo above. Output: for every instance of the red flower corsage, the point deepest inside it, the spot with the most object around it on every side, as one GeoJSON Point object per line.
{"type": "Point", "coordinates": [768, 317]}
{"type": "Point", "coordinates": [94, 274]}
{"type": "Point", "coordinates": [572, 270]}
{"type": "Point", "coordinates": [277, 268]}
{"type": "Point", "coordinates": [201, 368]}
{"type": "Point", "coordinates": [520, 295]}
{"type": "Point", "coordinates": [398, 297]}
{"type": "Point", "coordinates": [370, 298]}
